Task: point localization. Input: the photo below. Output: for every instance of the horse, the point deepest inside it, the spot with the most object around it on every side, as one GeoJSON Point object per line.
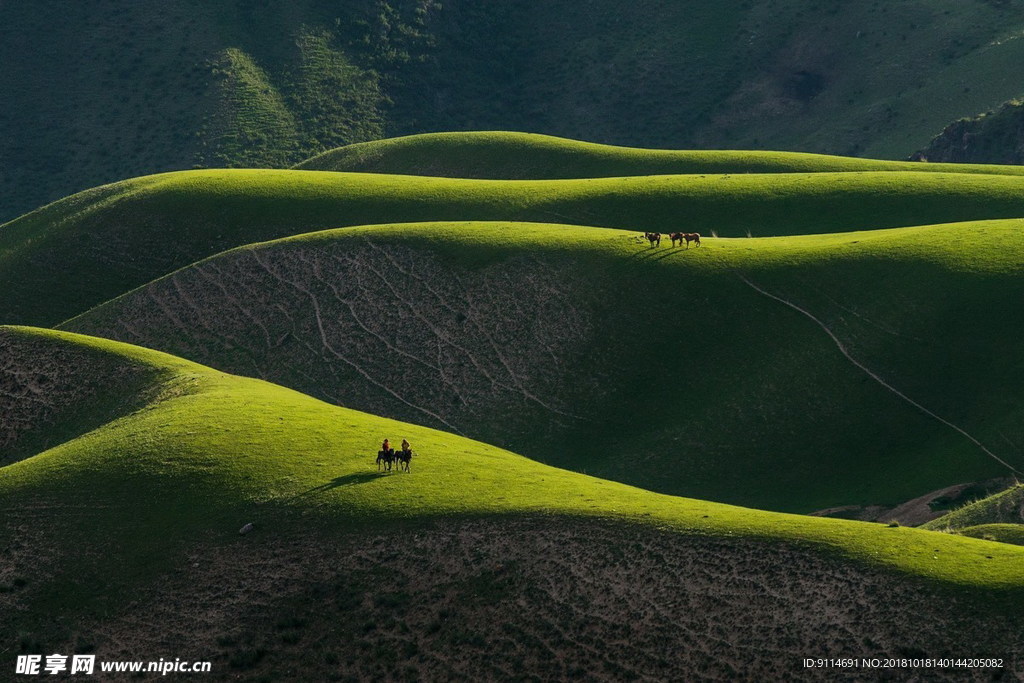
{"type": "Point", "coordinates": [691, 237]}
{"type": "Point", "coordinates": [387, 457]}
{"type": "Point", "coordinates": [654, 238]}
{"type": "Point", "coordinates": [403, 458]}
{"type": "Point", "coordinates": [677, 237]}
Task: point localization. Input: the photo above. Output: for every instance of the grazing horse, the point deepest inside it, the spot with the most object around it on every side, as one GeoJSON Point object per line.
{"type": "Point", "coordinates": [691, 237]}
{"type": "Point", "coordinates": [403, 458]}
{"type": "Point", "coordinates": [387, 458]}
{"type": "Point", "coordinates": [677, 237]}
{"type": "Point", "coordinates": [654, 238]}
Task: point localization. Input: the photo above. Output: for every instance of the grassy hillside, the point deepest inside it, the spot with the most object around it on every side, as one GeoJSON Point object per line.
{"type": "Point", "coordinates": [113, 89]}
{"type": "Point", "coordinates": [1003, 533]}
{"type": "Point", "coordinates": [161, 492]}
{"type": "Point", "coordinates": [843, 78]}
{"type": "Point", "coordinates": [676, 370]}
{"type": "Point", "coordinates": [1006, 507]}
{"type": "Point", "coordinates": [52, 394]}
{"type": "Point", "coordinates": [76, 253]}
{"type": "Point", "coordinates": [522, 156]}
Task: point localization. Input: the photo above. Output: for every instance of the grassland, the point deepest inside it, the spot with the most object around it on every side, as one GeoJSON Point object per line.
{"type": "Point", "coordinates": [1003, 533]}
{"type": "Point", "coordinates": [341, 555]}
{"type": "Point", "coordinates": [76, 253]}
{"type": "Point", "coordinates": [210, 447]}
{"type": "Point", "coordinates": [502, 155]}
{"type": "Point", "coordinates": [1002, 509]}
{"type": "Point", "coordinates": [125, 90]}
{"type": "Point", "coordinates": [670, 369]}
{"type": "Point", "coordinates": [452, 312]}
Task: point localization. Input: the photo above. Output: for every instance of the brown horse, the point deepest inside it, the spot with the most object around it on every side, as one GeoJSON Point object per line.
{"type": "Point", "coordinates": [402, 460]}
{"type": "Point", "coordinates": [385, 459]}
{"type": "Point", "coordinates": [654, 238]}
{"type": "Point", "coordinates": [677, 237]}
{"type": "Point", "coordinates": [691, 237]}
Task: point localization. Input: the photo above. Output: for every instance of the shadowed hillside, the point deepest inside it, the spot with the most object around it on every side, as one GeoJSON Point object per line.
{"type": "Point", "coordinates": [686, 371]}
{"type": "Point", "coordinates": [101, 91]}
{"type": "Point", "coordinates": [471, 533]}
{"type": "Point", "coordinates": [51, 394]}
{"type": "Point", "coordinates": [995, 137]}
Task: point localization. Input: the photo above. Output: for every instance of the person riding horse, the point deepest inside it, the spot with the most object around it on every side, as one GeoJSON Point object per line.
{"type": "Point", "coordinates": [387, 456]}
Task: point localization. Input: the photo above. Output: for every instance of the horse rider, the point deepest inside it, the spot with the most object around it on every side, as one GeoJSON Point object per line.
{"type": "Point", "coordinates": [406, 446]}
{"type": "Point", "coordinates": [386, 446]}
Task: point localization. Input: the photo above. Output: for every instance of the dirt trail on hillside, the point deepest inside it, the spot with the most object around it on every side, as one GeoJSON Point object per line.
{"type": "Point", "coordinates": [867, 371]}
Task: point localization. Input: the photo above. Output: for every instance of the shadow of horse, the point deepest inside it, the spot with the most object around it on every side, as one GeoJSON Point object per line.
{"type": "Point", "coordinates": [353, 479]}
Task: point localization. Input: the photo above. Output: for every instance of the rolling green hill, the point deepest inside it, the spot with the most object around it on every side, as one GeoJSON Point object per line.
{"type": "Point", "coordinates": [1005, 507]}
{"type": "Point", "coordinates": [502, 155]}
{"type": "Point", "coordinates": [112, 89]}
{"type": "Point", "coordinates": [686, 371]}
{"type": "Point", "coordinates": [76, 253]}
{"type": "Point", "coordinates": [1003, 533]}
{"type": "Point", "coordinates": [160, 494]}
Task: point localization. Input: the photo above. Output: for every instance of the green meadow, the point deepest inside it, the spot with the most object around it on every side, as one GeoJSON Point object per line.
{"type": "Point", "coordinates": [210, 448]}
{"type": "Point", "coordinates": [64, 258]}
{"type": "Point", "coordinates": [588, 411]}
{"type": "Point", "coordinates": [709, 380]}
{"type": "Point", "coordinates": [502, 155]}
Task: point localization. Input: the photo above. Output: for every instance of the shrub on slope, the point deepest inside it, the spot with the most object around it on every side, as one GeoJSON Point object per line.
{"type": "Point", "coordinates": [76, 253]}
{"type": "Point", "coordinates": [666, 368]}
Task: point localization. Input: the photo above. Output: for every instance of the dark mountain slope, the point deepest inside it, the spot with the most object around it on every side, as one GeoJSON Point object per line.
{"type": "Point", "coordinates": [995, 137]}
{"type": "Point", "coordinates": [99, 91]}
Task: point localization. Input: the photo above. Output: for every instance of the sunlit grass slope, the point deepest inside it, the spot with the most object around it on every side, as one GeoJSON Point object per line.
{"type": "Point", "coordinates": [1003, 533]}
{"type": "Point", "coordinates": [998, 509]}
{"type": "Point", "coordinates": [212, 451]}
{"type": "Point", "coordinates": [529, 156]}
{"type": "Point", "coordinates": [685, 371]}
{"type": "Point", "coordinates": [73, 254]}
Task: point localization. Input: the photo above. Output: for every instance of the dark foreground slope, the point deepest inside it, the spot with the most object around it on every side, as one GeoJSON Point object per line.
{"type": "Point", "coordinates": [540, 598]}
{"type": "Point", "coordinates": [688, 371]}
{"type": "Point", "coordinates": [479, 563]}
{"type": "Point", "coordinates": [76, 253]}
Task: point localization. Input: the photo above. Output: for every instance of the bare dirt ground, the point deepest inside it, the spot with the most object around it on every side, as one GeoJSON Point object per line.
{"type": "Point", "coordinates": [43, 383]}
{"type": "Point", "coordinates": [537, 599]}
{"type": "Point", "coordinates": [377, 327]}
{"type": "Point", "coordinates": [923, 508]}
